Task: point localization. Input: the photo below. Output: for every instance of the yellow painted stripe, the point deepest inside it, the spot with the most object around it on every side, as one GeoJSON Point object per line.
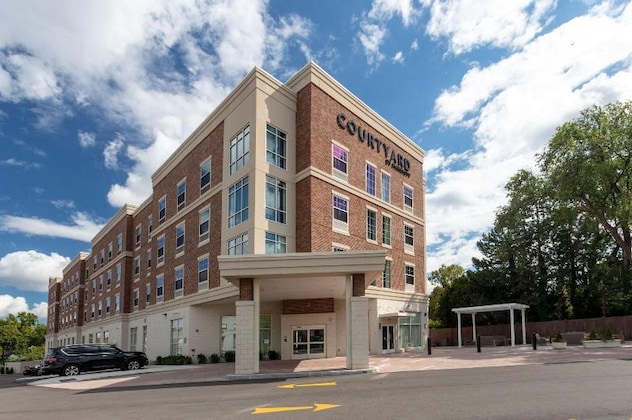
{"type": "Point", "coordinates": [268, 410]}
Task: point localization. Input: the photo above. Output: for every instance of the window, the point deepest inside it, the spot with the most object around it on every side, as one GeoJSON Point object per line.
{"type": "Point", "coordinates": [179, 280]}
{"type": "Point", "coordinates": [107, 305]}
{"type": "Point", "coordinates": [204, 220]}
{"type": "Point", "coordinates": [339, 161]}
{"type": "Point", "coordinates": [118, 275]}
{"type": "Point", "coordinates": [182, 194]}
{"type": "Point", "coordinates": [386, 187]}
{"type": "Point", "coordinates": [205, 176]}
{"type": "Point", "coordinates": [102, 257]}
{"type": "Point", "coordinates": [110, 251]}
{"type": "Point", "coordinates": [108, 283]}
{"type": "Point", "coordinates": [92, 310]}
{"type": "Point", "coordinates": [275, 146]}
{"type": "Point", "coordinates": [371, 181]}
{"type": "Point", "coordinates": [180, 238]}
{"type": "Point", "coordinates": [100, 284]}
{"type": "Point", "coordinates": [117, 303]}
{"type": "Point", "coordinates": [410, 331]}
{"type": "Point", "coordinates": [94, 287]}
{"type": "Point", "coordinates": [386, 230]}
{"type": "Point", "coordinates": [149, 259]}
{"type": "Point", "coordinates": [371, 225]}
{"type": "Point", "coordinates": [94, 263]}
{"type": "Point", "coordinates": [341, 215]}
{"type": "Point", "coordinates": [239, 150]}
{"type": "Point", "coordinates": [150, 226]}
{"type": "Point", "coordinates": [148, 293]}
{"type": "Point", "coordinates": [386, 274]}
{"type": "Point", "coordinates": [238, 202]}
{"type": "Point", "coordinates": [339, 248]}
{"type": "Point", "coordinates": [408, 198]}
{"type": "Point", "coordinates": [90, 338]}
{"type": "Point", "coordinates": [177, 339]}
{"type": "Point", "coordinates": [409, 239]}
{"type": "Point", "coordinates": [410, 278]}
{"type": "Point", "coordinates": [139, 232]}
{"type": "Point", "coordinates": [136, 268]}
{"type": "Point", "coordinates": [275, 244]}
{"type": "Point", "coordinates": [275, 199]}
{"type": "Point", "coordinates": [160, 285]}
{"type": "Point", "coordinates": [203, 273]}
{"type": "Point", "coordinates": [160, 250]}
{"type": "Point", "coordinates": [162, 209]}
{"type": "Point", "coordinates": [133, 337]}
{"type": "Point", "coordinates": [238, 245]}
{"type": "Point", "coordinates": [136, 299]}
{"type": "Point", "coordinates": [119, 243]}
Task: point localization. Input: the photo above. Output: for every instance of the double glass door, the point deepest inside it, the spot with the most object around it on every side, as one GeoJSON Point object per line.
{"type": "Point", "coordinates": [388, 338]}
{"type": "Point", "coordinates": [308, 342]}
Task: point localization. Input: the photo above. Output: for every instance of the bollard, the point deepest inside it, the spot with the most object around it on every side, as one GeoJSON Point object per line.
{"type": "Point", "coordinates": [478, 343]}
{"type": "Point", "coordinates": [429, 347]}
{"type": "Point", "coordinates": [534, 341]}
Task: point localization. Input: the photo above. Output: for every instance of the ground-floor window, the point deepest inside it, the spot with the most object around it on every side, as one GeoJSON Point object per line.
{"type": "Point", "coordinates": [410, 331]}
{"type": "Point", "coordinates": [265, 334]}
{"type": "Point", "coordinates": [177, 338]}
{"type": "Point", "coordinates": [227, 338]}
{"type": "Point", "coordinates": [133, 335]}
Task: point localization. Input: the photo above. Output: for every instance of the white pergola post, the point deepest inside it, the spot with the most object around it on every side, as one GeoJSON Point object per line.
{"type": "Point", "coordinates": [458, 320]}
{"type": "Point", "coordinates": [474, 327]}
{"type": "Point", "coordinates": [513, 327]}
{"type": "Point", "coordinates": [524, 327]}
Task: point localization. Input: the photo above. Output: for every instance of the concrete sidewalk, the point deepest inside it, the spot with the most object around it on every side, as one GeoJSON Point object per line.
{"type": "Point", "coordinates": [441, 358]}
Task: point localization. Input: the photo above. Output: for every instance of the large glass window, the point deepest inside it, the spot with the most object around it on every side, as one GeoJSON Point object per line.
{"type": "Point", "coordinates": [117, 303]}
{"type": "Point", "coordinates": [410, 331]}
{"type": "Point", "coordinates": [371, 225]}
{"type": "Point", "coordinates": [386, 187]}
{"type": "Point", "coordinates": [228, 334]}
{"type": "Point", "coordinates": [182, 194]}
{"type": "Point", "coordinates": [275, 244]}
{"type": "Point", "coordinates": [204, 224]}
{"type": "Point", "coordinates": [275, 146]}
{"type": "Point", "coordinates": [180, 238]}
{"type": "Point", "coordinates": [179, 280]}
{"type": "Point", "coordinates": [408, 198]}
{"type": "Point", "coordinates": [275, 199]}
{"type": "Point", "coordinates": [160, 249]}
{"type": "Point", "coordinates": [160, 288]}
{"type": "Point", "coordinates": [133, 337]}
{"type": "Point", "coordinates": [162, 209]}
{"type": "Point", "coordinates": [341, 213]}
{"type": "Point", "coordinates": [238, 202]}
{"type": "Point", "coordinates": [238, 245]}
{"type": "Point", "coordinates": [177, 337]}
{"type": "Point", "coordinates": [240, 150]}
{"type": "Point", "coordinates": [203, 273]}
{"type": "Point", "coordinates": [386, 275]}
{"type": "Point", "coordinates": [370, 180]}
{"type": "Point", "coordinates": [386, 230]}
{"type": "Point", "coordinates": [339, 161]}
{"type": "Point", "coordinates": [205, 176]}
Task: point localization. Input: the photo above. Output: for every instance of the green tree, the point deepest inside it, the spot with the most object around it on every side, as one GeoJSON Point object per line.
{"type": "Point", "coordinates": [22, 336]}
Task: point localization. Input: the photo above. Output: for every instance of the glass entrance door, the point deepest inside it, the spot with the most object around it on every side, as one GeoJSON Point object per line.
{"type": "Point", "coordinates": [388, 338]}
{"type": "Point", "coordinates": [308, 342]}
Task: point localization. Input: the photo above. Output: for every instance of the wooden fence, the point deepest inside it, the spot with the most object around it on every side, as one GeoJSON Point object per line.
{"type": "Point", "coordinates": [617, 325]}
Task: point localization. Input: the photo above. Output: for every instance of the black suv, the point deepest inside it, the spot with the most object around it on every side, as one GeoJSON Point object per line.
{"type": "Point", "coordinates": [77, 358]}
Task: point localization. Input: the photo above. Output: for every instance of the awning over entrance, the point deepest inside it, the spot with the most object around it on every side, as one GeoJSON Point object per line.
{"type": "Point", "coordinates": [473, 310]}
{"type": "Point", "coordinates": [399, 314]}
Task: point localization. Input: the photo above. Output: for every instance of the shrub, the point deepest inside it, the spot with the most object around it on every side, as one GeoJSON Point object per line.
{"type": "Point", "coordinates": [214, 358]}
{"type": "Point", "coordinates": [607, 335]}
{"type": "Point", "coordinates": [202, 359]}
{"type": "Point", "coordinates": [558, 338]}
{"type": "Point", "coordinates": [174, 360]}
{"type": "Point", "coordinates": [229, 356]}
{"type": "Point", "coordinates": [159, 360]}
{"type": "Point", "coordinates": [592, 335]}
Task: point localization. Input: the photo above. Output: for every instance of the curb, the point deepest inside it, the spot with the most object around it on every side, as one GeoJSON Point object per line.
{"type": "Point", "coordinates": [306, 374]}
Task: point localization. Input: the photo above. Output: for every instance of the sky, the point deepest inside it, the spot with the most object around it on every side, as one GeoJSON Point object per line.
{"type": "Point", "coordinates": [95, 95]}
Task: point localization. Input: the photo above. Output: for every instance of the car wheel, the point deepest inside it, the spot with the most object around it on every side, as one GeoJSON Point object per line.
{"type": "Point", "coordinates": [70, 370]}
{"type": "Point", "coordinates": [133, 365]}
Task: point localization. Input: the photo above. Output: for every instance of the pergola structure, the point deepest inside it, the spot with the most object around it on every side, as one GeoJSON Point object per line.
{"type": "Point", "coordinates": [473, 310]}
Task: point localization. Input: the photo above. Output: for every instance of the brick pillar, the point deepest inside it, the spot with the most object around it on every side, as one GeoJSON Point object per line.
{"type": "Point", "coordinates": [359, 286]}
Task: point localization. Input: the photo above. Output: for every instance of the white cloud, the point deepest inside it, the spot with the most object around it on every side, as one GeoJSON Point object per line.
{"type": "Point", "coordinates": [385, 10]}
{"type": "Point", "coordinates": [82, 229]}
{"type": "Point", "coordinates": [512, 108]}
{"type": "Point", "coordinates": [14, 305]}
{"type": "Point", "coordinates": [414, 46]}
{"type": "Point", "coordinates": [371, 37]}
{"type": "Point", "coordinates": [499, 23]}
{"type": "Point", "coordinates": [19, 163]}
{"type": "Point", "coordinates": [398, 57]}
{"type": "Point", "coordinates": [30, 270]}
{"type": "Point", "coordinates": [60, 204]}
{"type": "Point", "coordinates": [86, 139]}
{"type": "Point", "coordinates": [111, 151]}
{"type": "Point", "coordinates": [27, 77]}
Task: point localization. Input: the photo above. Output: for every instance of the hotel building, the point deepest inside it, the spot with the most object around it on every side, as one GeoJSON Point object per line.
{"type": "Point", "coordinates": [290, 222]}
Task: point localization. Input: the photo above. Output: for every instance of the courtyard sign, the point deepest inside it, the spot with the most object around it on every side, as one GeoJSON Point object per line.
{"type": "Point", "coordinates": [397, 161]}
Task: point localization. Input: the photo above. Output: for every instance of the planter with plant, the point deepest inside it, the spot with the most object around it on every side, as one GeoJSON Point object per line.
{"type": "Point", "coordinates": [558, 341]}
{"type": "Point", "coordinates": [604, 340]}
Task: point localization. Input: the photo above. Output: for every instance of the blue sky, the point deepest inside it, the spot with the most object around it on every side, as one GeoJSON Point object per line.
{"type": "Point", "coordinates": [95, 95]}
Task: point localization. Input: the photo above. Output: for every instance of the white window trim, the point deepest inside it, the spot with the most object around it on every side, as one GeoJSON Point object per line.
{"type": "Point", "coordinates": [404, 206]}
{"type": "Point", "coordinates": [391, 279]}
{"type": "Point", "coordinates": [366, 227]}
{"type": "Point", "coordinates": [389, 246]}
{"type": "Point", "coordinates": [408, 249]}
{"type": "Point", "coordinates": [159, 262]}
{"type": "Point", "coordinates": [410, 287]}
{"type": "Point", "coordinates": [180, 251]}
{"type": "Point", "coordinates": [178, 292]}
{"type": "Point", "coordinates": [205, 284]}
{"type": "Point", "coordinates": [164, 197]}
{"type": "Point", "coordinates": [201, 240]}
{"type": "Point", "coordinates": [180, 207]}
{"type": "Point", "coordinates": [344, 176]}
{"type": "Point", "coordinates": [138, 236]}
{"type": "Point", "coordinates": [337, 225]}
{"type": "Point", "coordinates": [160, 298]}
{"type": "Point", "coordinates": [390, 186]}
{"type": "Point", "coordinates": [207, 187]}
{"type": "Point", "coordinates": [366, 179]}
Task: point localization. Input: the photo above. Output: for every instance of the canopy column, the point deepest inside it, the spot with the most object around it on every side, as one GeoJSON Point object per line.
{"type": "Point", "coordinates": [513, 327]}
{"type": "Point", "coordinates": [524, 326]}
{"type": "Point", "coordinates": [458, 321]}
{"type": "Point", "coordinates": [474, 327]}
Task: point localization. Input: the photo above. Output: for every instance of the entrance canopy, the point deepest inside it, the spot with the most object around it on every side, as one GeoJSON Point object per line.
{"type": "Point", "coordinates": [473, 310]}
